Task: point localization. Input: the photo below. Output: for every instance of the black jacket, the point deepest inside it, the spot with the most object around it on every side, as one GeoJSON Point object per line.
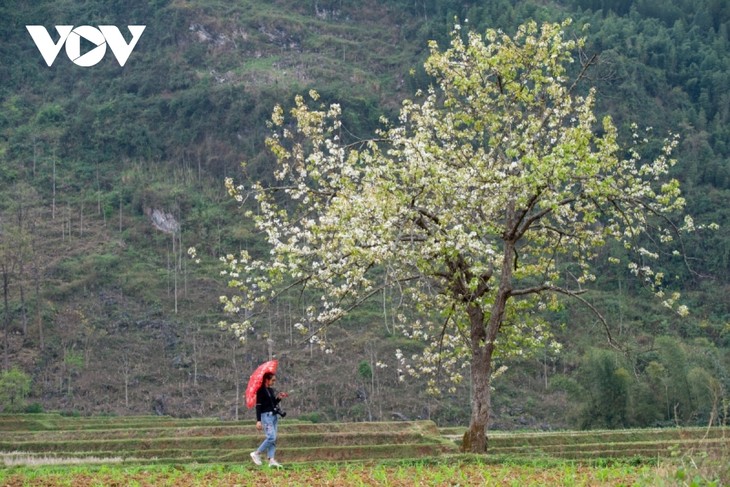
{"type": "Point", "coordinates": [266, 401]}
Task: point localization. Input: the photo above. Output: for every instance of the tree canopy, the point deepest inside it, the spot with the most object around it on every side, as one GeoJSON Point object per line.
{"type": "Point", "coordinates": [490, 195]}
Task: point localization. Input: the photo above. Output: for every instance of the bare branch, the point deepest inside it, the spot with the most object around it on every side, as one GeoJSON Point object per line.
{"type": "Point", "coordinates": [583, 71]}
{"type": "Point", "coordinates": [352, 306]}
{"type": "Point", "coordinates": [601, 318]}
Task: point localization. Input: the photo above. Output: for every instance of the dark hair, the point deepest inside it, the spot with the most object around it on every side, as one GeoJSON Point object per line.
{"type": "Point", "coordinates": [267, 376]}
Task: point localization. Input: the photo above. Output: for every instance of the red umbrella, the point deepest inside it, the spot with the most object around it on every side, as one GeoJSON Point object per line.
{"type": "Point", "coordinates": [254, 383]}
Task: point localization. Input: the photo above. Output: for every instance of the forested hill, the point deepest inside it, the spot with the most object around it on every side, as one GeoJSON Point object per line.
{"type": "Point", "coordinates": [108, 173]}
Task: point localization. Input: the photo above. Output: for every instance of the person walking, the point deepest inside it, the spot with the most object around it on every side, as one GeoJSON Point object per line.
{"type": "Point", "coordinates": [267, 419]}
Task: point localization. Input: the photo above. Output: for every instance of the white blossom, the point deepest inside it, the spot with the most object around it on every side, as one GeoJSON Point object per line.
{"type": "Point", "coordinates": [475, 183]}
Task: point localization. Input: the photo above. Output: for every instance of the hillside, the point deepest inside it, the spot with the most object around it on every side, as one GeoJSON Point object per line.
{"type": "Point", "coordinates": [109, 173]}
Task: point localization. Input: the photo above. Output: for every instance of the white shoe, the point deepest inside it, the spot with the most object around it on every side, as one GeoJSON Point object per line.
{"type": "Point", "coordinates": [274, 464]}
{"type": "Point", "coordinates": [256, 457]}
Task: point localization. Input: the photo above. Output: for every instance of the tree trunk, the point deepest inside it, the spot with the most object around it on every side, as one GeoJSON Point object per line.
{"type": "Point", "coordinates": [483, 337]}
{"type": "Point", "coordinates": [23, 313]}
{"type": "Point", "coordinates": [6, 321]}
{"type": "Point", "coordinates": [475, 438]}
{"type": "Point", "coordinates": [39, 316]}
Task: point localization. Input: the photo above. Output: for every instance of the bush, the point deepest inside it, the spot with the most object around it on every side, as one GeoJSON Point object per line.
{"type": "Point", "coordinates": [14, 389]}
{"type": "Point", "coordinates": [35, 408]}
{"type": "Point", "coordinates": [315, 417]}
{"type": "Point", "coordinates": [606, 383]}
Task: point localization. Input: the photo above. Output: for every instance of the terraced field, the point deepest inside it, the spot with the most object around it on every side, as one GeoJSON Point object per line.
{"type": "Point", "coordinates": [147, 440]}
{"type": "Point", "coordinates": [155, 440]}
{"type": "Point", "coordinates": [604, 444]}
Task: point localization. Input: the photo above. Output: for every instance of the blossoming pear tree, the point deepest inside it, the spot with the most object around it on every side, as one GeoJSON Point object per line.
{"type": "Point", "coordinates": [470, 206]}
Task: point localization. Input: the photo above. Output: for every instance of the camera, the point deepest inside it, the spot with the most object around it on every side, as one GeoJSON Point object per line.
{"type": "Point", "coordinates": [277, 410]}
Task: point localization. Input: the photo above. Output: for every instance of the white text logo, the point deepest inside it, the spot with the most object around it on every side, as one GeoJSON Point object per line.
{"type": "Point", "coordinates": [71, 37]}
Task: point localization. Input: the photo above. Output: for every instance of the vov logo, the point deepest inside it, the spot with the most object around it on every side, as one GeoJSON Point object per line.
{"type": "Point", "coordinates": [71, 36]}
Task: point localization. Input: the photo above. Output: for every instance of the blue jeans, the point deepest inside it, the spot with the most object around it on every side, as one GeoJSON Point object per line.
{"type": "Point", "coordinates": [270, 423]}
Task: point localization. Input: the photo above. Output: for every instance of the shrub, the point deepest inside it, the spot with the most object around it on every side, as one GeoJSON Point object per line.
{"type": "Point", "coordinates": [314, 417]}
{"type": "Point", "coordinates": [35, 408]}
{"type": "Point", "coordinates": [14, 389]}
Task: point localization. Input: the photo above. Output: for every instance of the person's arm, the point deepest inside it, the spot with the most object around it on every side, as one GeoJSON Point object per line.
{"type": "Point", "coordinates": [278, 396]}
{"type": "Point", "coordinates": [258, 408]}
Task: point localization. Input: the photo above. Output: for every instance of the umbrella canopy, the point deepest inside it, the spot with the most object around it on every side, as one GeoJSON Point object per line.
{"type": "Point", "coordinates": [254, 382]}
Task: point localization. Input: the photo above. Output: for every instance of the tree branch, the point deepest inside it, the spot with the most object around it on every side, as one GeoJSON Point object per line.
{"type": "Point", "coordinates": [354, 305]}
